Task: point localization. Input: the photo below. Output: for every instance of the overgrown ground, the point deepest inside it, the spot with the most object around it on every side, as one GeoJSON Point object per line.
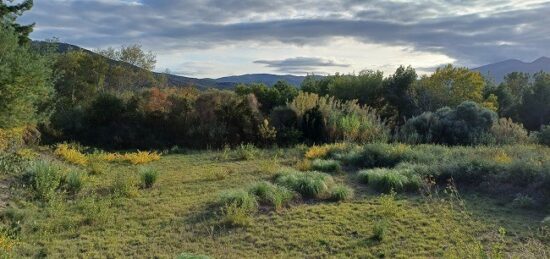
{"type": "Point", "coordinates": [181, 214]}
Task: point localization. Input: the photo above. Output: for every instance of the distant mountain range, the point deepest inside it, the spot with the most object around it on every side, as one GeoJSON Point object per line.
{"type": "Point", "coordinates": [497, 71]}
{"type": "Point", "coordinates": [177, 80]}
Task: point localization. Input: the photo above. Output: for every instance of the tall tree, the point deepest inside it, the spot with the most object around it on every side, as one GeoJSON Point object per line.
{"type": "Point", "coordinates": [24, 82]}
{"type": "Point", "coordinates": [9, 13]}
{"type": "Point", "coordinates": [398, 92]}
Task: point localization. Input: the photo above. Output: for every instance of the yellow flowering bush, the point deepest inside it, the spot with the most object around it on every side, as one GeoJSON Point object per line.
{"type": "Point", "coordinates": [317, 152]}
{"type": "Point", "coordinates": [70, 154]}
{"type": "Point", "coordinates": [502, 158]}
{"type": "Point", "coordinates": [140, 157]}
{"type": "Point", "coordinates": [11, 137]}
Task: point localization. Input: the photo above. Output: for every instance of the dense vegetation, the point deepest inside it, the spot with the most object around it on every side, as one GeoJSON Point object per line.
{"type": "Point", "coordinates": [445, 165]}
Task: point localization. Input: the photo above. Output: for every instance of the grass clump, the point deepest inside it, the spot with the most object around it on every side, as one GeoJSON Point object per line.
{"type": "Point", "coordinates": [379, 230]}
{"type": "Point", "coordinates": [74, 182]}
{"type": "Point", "coordinates": [191, 256]}
{"type": "Point", "coordinates": [382, 155]}
{"type": "Point", "coordinates": [384, 180]}
{"type": "Point", "coordinates": [45, 179]}
{"type": "Point", "coordinates": [70, 154]}
{"type": "Point", "coordinates": [523, 202]}
{"type": "Point", "coordinates": [148, 177]}
{"type": "Point", "coordinates": [123, 186]}
{"type": "Point", "coordinates": [247, 152]}
{"type": "Point", "coordinates": [341, 193]}
{"type": "Point", "coordinates": [330, 165]}
{"type": "Point", "coordinates": [271, 195]}
{"type": "Point", "coordinates": [238, 205]}
{"type": "Point", "coordinates": [307, 184]}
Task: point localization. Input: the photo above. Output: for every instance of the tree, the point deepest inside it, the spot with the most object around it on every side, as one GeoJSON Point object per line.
{"type": "Point", "coordinates": [132, 67]}
{"type": "Point", "coordinates": [25, 82]}
{"type": "Point", "coordinates": [10, 12]}
{"type": "Point", "coordinates": [450, 86]}
{"type": "Point", "coordinates": [398, 92]}
{"type": "Point", "coordinates": [535, 109]}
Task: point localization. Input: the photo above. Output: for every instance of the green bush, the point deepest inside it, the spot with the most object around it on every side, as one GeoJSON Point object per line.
{"type": "Point", "coordinates": [341, 193]}
{"type": "Point", "coordinates": [326, 165]}
{"type": "Point", "coordinates": [307, 184]}
{"type": "Point", "coordinates": [271, 195]}
{"type": "Point", "coordinates": [467, 124]}
{"type": "Point", "coordinates": [385, 180]}
{"type": "Point", "coordinates": [148, 177]}
{"type": "Point", "coordinates": [45, 179]}
{"type": "Point", "coordinates": [74, 182]}
{"type": "Point", "coordinates": [379, 230]}
{"type": "Point", "coordinates": [506, 132]}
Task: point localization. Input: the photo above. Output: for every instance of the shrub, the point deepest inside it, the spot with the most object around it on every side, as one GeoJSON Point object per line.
{"type": "Point", "coordinates": [543, 136]}
{"type": "Point", "coordinates": [71, 154]}
{"type": "Point", "coordinates": [123, 186]}
{"type": "Point", "coordinates": [505, 131]}
{"type": "Point", "coordinates": [468, 124]}
{"type": "Point", "coordinates": [96, 167]}
{"type": "Point", "coordinates": [341, 193]}
{"type": "Point", "coordinates": [326, 165]}
{"type": "Point", "coordinates": [271, 195]}
{"type": "Point", "coordinates": [148, 177]}
{"type": "Point", "coordinates": [45, 179]}
{"type": "Point", "coordinates": [308, 184]}
{"type": "Point", "coordinates": [247, 152]}
{"type": "Point", "coordinates": [386, 180]}
{"type": "Point", "coordinates": [74, 182]}
{"type": "Point", "coordinates": [317, 152]}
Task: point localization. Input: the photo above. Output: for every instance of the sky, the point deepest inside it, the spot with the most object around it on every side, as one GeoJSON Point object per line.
{"type": "Point", "coordinates": [215, 38]}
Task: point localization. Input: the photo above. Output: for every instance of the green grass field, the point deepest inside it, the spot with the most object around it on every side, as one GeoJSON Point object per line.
{"type": "Point", "coordinates": [180, 213]}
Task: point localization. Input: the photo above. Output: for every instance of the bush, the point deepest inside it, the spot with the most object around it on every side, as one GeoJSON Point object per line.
{"type": "Point", "coordinates": [45, 179]}
{"type": "Point", "coordinates": [543, 135]}
{"type": "Point", "coordinates": [148, 177]}
{"type": "Point", "coordinates": [505, 131]}
{"type": "Point", "coordinates": [140, 157]}
{"type": "Point", "coordinates": [308, 184]}
{"type": "Point", "coordinates": [74, 182]}
{"type": "Point", "coordinates": [385, 180]}
{"type": "Point", "coordinates": [468, 124]}
{"type": "Point", "coordinates": [271, 195]}
{"type": "Point", "coordinates": [326, 165]}
{"type": "Point", "coordinates": [341, 193]}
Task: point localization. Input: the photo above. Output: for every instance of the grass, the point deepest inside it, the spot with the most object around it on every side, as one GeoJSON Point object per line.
{"type": "Point", "coordinates": [329, 166]}
{"type": "Point", "coordinates": [183, 215]}
{"type": "Point", "coordinates": [148, 177]}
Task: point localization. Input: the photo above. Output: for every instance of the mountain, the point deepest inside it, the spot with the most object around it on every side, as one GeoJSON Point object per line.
{"type": "Point", "coordinates": [177, 80]}
{"type": "Point", "coordinates": [268, 79]}
{"type": "Point", "coordinates": [497, 71]}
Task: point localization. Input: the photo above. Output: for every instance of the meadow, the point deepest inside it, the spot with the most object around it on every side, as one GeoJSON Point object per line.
{"type": "Point", "coordinates": [377, 200]}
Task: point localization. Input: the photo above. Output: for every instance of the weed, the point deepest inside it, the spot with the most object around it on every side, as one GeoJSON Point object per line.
{"type": "Point", "coordinates": [247, 152]}
{"type": "Point", "coordinates": [379, 230]}
{"type": "Point", "coordinates": [148, 177]}
{"type": "Point", "coordinates": [123, 186]}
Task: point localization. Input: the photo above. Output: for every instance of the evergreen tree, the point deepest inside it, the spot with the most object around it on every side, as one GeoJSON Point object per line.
{"type": "Point", "coordinates": [9, 13]}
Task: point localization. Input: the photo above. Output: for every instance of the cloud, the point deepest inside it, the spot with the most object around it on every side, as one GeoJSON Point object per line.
{"type": "Point", "coordinates": [473, 32]}
{"type": "Point", "coordinates": [300, 65]}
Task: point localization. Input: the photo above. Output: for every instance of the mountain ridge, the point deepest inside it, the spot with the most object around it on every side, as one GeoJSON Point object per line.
{"type": "Point", "coordinates": [497, 71]}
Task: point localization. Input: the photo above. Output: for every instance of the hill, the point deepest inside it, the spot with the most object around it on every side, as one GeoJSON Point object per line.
{"type": "Point", "coordinates": [497, 71]}
{"type": "Point", "coordinates": [178, 80]}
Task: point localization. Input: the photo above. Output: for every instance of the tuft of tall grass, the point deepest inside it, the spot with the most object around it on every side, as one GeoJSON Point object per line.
{"type": "Point", "coordinates": [123, 186]}
{"type": "Point", "coordinates": [341, 193]}
{"type": "Point", "coordinates": [45, 179]}
{"type": "Point", "coordinates": [307, 184]}
{"type": "Point", "coordinates": [271, 195]}
{"type": "Point", "coordinates": [247, 152]}
{"type": "Point", "coordinates": [237, 207]}
{"type": "Point", "coordinates": [385, 180]}
{"type": "Point", "coordinates": [148, 177]}
{"type": "Point", "coordinates": [330, 165]}
{"type": "Point", "coordinates": [74, 182]}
